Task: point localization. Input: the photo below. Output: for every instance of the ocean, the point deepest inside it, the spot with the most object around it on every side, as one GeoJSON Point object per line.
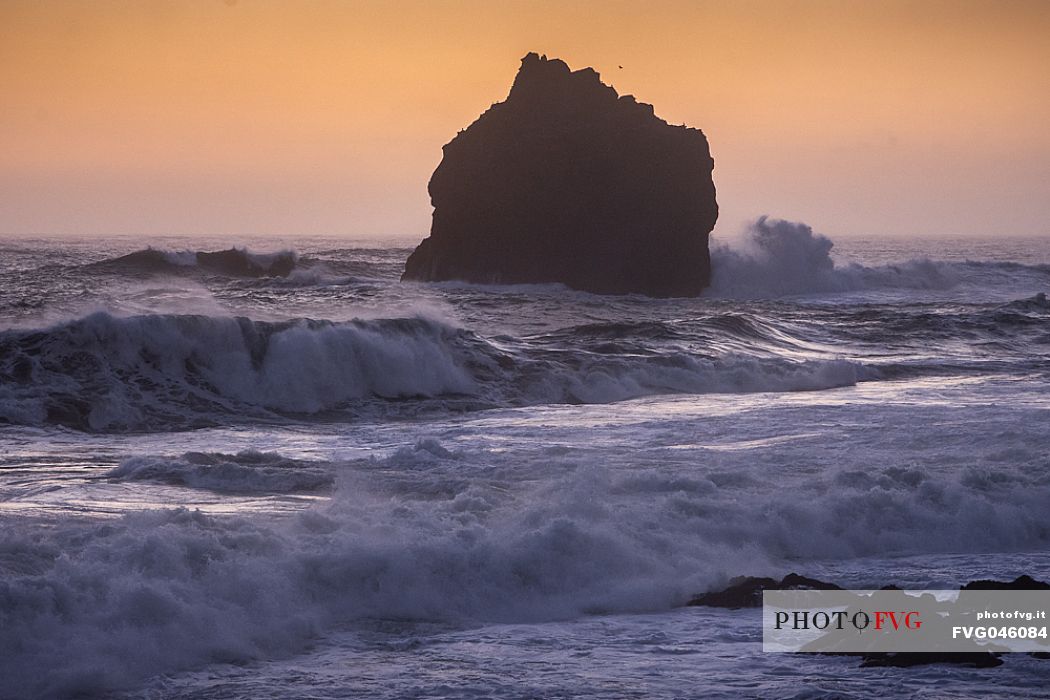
{"type": "Point", "coordinates": [279, 472]}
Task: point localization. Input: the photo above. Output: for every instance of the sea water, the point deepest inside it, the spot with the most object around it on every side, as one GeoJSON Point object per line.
{"type": "Point", "coordinates": [280, 472]}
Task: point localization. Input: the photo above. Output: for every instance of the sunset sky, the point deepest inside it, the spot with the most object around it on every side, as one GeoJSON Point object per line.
{"type": "Point", "coordinates": [298, 117]}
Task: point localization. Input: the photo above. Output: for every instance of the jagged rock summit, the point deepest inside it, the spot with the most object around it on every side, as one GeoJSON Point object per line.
{"type": "Point", "coordinates": [566, 181]}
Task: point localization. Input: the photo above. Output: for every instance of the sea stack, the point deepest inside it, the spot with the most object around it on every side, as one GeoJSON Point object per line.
{"type": "Point", "coordinates": [566, 181]}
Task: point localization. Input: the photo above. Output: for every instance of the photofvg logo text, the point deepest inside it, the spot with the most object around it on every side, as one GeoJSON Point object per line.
{"type": "Point", "coordinates": [905, 621]}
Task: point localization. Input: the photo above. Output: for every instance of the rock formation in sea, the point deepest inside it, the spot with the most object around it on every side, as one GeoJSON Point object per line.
{"type": "Point", "coordinates": [567, 181]}
{"type": "Point", "coordinates": [746, 592]}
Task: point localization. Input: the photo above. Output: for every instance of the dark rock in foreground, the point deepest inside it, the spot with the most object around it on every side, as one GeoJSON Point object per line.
{"type": "Point", "coordinates": [909, 659]}
{"type": "Point", "coordinates": [568, 182]}
{"type": "Point", "coordinates": [746, 591]}
{"type": "Point", "coordinates": [1021, 583]}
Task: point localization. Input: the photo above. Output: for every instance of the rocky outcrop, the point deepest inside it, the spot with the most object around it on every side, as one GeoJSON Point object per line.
{"type": "Point", "coordinates": [568, 182]}
{"type": "Point", "coordinates": [905, 659]}
{"type": "Point", "coordinates": [1023, 582]}
{"type": "Point", "coordinates": [746, 591]}
{"type": "Point", "coordinates": [235, 262]}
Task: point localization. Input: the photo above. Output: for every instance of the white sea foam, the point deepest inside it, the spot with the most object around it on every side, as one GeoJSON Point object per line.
{"type": "Point", "coordinates": [110, 373]}
{"type": "Point", "coordinates": [107, 372]}
{"type": "Point", "coordinates": [410, 537]}
{"type": "Point", "coordinates": [775, 258]}
{"type": "Point", "coordinates": [534, 511]}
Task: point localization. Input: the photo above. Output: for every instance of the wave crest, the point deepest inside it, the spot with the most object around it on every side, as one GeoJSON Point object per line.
{"type": "Point", "coordinates": [157, 591]}
{"type": "Point", "coordinates": [234, 262]}
{"type": "Point", "coordinates": [245, 472]}
{"type": "Point", "coordinates": [165, 372]}
{"type": "Point", "coordinates": [776, 258]}
{"type": "Point", "coordinates": [102, 372]}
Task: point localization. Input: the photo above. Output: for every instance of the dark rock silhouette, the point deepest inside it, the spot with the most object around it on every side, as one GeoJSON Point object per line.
{"type": "Point", "coordinates": [568, 182]}
{"type": "Point", "coordinates": [235, 262]}
{"type": "Point", "coordinates": [1021, 583]}
{"type": "Point", "coordinates": [746, 591]}
{"type": "Point", "coordinates": [909, 659]}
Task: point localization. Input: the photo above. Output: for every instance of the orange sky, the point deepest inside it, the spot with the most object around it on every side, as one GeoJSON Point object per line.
{"type": "Point", "coordinates": [300, 117]}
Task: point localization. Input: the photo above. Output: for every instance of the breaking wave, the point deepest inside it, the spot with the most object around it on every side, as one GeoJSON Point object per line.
{"type": "Point", "coordinates": [164, 372]}
{"type": "Point", "coordinates": [108, 373]}
{"type": "Point", "coordinates": [235, 262]}
{"type": "Point", "coordinates": [158, 591]}
{"type": "Point", "coordinates": [245, 472]}
{"type": "Point", "coordinates": [778, 258]}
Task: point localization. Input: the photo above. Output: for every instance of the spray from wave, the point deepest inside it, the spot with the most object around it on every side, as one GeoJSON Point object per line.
{"type": "Point", "coordinates": [108, 373]}
{"type": "Point", "coordinates": [407, 537]}
{"type": "Point", "coordinates": [164, 372]}
{"type": "Point", "coordinates": [235, 262]}
{"type": "Point", "coordinates": [775, 258]}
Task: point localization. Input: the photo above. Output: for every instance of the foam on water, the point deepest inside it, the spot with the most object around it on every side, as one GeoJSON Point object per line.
{"type": "Point", "coordinates": [535, 472]}
{"type": "Point", "coordinates": [776, 258]}
{"type": "Point", "coordinates": [108, 373]}
{"type": "Point", "coordinates": [462, 536]}
{"type": "Point", "coordinates": [246, 472]}
{"type": "Point", "coordinates": [104, 372]}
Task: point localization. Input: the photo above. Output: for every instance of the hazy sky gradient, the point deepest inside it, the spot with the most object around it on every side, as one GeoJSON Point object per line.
{"type": "Point", "coordinates": [299, 117]}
